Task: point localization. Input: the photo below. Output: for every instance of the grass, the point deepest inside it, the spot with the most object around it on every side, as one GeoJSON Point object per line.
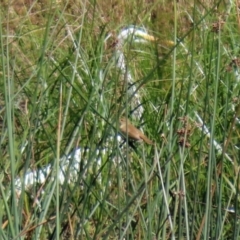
{"type": "Point", "coordinates": [62, 91]}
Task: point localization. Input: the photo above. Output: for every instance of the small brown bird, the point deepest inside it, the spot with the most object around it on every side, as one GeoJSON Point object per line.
{"type": "Point", "coordinates": [131, 131]}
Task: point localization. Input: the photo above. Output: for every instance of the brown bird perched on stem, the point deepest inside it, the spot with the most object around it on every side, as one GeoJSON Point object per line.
{"type": "Point", "coordinates": [131, 131]}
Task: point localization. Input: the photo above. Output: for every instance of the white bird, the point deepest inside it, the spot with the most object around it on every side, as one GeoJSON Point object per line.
{"type": "Point", "coordinates": [130, 34]}
{"type": "Point", "coordinates": [71, 163]}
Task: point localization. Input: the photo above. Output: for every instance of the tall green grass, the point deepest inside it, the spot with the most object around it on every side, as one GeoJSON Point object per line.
{"type": "Point", "coordinates": [62, 91]}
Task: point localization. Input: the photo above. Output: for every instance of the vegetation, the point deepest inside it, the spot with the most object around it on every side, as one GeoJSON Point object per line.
{"type": "Point", "coordinates": [62, 93]}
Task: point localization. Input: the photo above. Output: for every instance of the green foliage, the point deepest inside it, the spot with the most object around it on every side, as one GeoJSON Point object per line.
{"type": "Point", "coordinates": [62, 93]}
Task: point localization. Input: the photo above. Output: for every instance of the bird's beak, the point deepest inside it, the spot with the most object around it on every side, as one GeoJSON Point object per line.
{"type": "Point", "coordinates": [151, 38]}
{"type": "Point", "coordinates": [147, 37]}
